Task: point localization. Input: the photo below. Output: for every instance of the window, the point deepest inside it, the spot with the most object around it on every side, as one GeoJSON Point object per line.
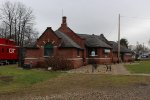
{"type": "Point", "coordinates": [106, 50]}
{"type": "Point", "coordinates": [48, 49]}
{"type": "Point", "coordinates": [93, 51]}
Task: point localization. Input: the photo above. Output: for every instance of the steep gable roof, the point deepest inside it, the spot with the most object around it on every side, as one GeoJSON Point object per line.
{"type": "Point", "coordinates": [45, 32]}
{"type": "Point", "coordinates": [94, 41]}
{"type": "Point", "coordinates": [102, 37]}
{"type": "Point", "coordinates": [66, 41]}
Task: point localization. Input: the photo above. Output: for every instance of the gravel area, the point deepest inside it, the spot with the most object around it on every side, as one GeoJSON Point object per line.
{"type": "Point", "coordinates": [137, 92]}
{"type": "Point", "coordinates": [116, 69]}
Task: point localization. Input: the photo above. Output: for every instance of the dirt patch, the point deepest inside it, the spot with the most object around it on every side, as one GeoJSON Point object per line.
{"type": "Point", "coordinates": [6, 78]}
{"type": "Point", "coordinates": [142, 84]}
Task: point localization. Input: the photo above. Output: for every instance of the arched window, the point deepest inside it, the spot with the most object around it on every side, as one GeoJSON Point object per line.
{"type": "Point", "coordinates": [48, 49]}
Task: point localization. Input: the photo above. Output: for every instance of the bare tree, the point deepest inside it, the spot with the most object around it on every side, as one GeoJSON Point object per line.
{"type": "Point", "coordinates": [7, 15]}
{"type": "Point", "coordinates": [17, 22]}
{"type": "Point", "coordinates": [140, 49]}
{"type": "Point", "coordinates": [16, 18]}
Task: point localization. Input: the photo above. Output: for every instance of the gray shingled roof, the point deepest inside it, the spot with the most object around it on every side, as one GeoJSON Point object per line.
{"type": "Point", "coordinates": [102, 37]}
{"type": "Point", "coordinates": [94, 41]}
{"type": "Point", "coordinates": [122, 49]}
{"type": "Point", "coordinates": [67, 42]}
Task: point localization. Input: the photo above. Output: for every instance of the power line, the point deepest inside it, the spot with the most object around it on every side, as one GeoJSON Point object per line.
{"type": "Point", "coordinates": [136, 17]}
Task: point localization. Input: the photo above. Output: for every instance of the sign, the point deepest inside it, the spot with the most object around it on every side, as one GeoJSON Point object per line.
{"type": "Point", "coordinates": [11, 50]}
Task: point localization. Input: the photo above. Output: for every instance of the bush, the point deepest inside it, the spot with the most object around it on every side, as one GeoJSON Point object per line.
{"type": "Point", "coordinates": [41, 64]}
{"type": "Point", "coordinates": [59, 63]}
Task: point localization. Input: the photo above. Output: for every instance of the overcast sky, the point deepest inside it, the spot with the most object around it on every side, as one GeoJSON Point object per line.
{"type": "Point", "coordinates": [95, 17]}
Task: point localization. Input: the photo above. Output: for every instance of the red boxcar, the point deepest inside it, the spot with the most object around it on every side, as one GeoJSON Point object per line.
{"type": "Point", "coordinates": [8, 51]}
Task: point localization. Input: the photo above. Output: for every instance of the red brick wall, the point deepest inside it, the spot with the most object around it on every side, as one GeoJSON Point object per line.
{"type": "Point", "coordinates": [77, 63]}
{"type": "Point", "coordinates": [48, 36]}
{"type": "Point", "coordinates": [71, 54]}
{"type": "Point", "coordinates": [35, 55]}
{"type": "Point", "coordinates": [101, 57]}
{"type": "Point", "coordinates": [115, 57]}
{"type": "Point", "coordinates": [128, 58]}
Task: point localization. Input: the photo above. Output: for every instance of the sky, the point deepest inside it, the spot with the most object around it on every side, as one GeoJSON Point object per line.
{"type": "Point", "coordinates": [95, 17]}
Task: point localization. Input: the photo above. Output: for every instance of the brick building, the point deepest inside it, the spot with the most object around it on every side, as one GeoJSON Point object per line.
{"type": "Point", "coordinates": [81, 49]}
{"type": "Point", "coordinates": [125, 54]}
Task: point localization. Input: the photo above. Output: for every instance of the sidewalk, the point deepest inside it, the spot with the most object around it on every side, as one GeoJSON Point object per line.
{"type": "Point", "coordinates": [116, 69]}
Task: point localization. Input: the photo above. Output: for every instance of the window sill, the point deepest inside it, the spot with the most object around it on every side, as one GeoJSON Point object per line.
{"type": "Point", "coordinates": [93, 56]}
{"type": "Point", "coordinates": [47, 56]}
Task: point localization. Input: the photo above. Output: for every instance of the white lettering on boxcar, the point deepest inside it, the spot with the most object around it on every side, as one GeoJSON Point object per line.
{"type": "Point", "coordinates": [11, 50]}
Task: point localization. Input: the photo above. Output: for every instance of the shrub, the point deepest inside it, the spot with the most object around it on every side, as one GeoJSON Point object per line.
{"type": "Point", "coordinates": [41, 64]}
{"type": "Point", "coordinates": [59, 63]}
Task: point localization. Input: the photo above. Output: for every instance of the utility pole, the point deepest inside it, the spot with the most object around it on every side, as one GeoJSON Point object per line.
{"type": "Point", "coordinates": [119, 39]}
{"type": "Point", "coordinates": [62, 12]}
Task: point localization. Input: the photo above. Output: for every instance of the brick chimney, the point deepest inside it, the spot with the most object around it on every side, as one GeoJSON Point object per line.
{"type": "Point", "coordinates": [64, 21]}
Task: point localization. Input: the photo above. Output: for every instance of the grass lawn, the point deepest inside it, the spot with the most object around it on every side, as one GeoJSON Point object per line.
{"type": "Point", "coordinates": [65, 83]}
{"type": "Point", "coordinates": [44, 83]}
{"type": "Point", "coordinates": [83, 82]}
{"type": "Point", "coordinates": [13, 78]}
{"type": "Point", "coordinates": [140, 67]}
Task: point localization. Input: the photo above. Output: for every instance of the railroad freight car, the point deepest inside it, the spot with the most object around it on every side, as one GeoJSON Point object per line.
{"type": "Point", "coordinates": [8, 51]}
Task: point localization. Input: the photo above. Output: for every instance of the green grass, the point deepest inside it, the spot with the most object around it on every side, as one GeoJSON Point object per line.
{"type": "Point", "coordinates": [139, 67]}
{"type": "Point", "coordinates": [44, 82]}
{"type": "Point", "coordinates": [74, 82]}
{"type": "Point", "coordinates": [21, 79]}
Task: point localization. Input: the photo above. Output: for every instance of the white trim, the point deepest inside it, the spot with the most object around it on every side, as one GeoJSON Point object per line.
{"type": "Point", "coordinates": [46, 56]}
{"type": "Point", "coordinates": [31, 58]}
{"type": "Point", "coordinates": [93, 56]}
{"type": "Point", "coordinates": [38, 45]}
{"type": "Point", "coordinates": [98, 58]}
{"type": "Point", "coordinates": [74, 58]}
{"type": "Point", "coordinates": [53, 42]}
{"type": "Point", "coordinates": [44, 42]}
{"type": "Point", "coordinates": [9, 45]}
